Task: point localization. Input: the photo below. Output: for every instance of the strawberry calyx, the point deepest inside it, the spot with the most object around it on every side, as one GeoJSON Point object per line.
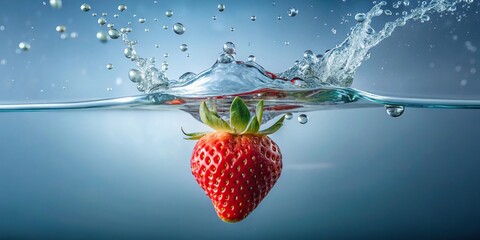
{"type": "Point", "coordinates": [241, 122]}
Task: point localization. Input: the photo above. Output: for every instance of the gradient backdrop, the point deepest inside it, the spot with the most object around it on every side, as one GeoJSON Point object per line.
{"type": "Point", "coordinates": [125, 174]}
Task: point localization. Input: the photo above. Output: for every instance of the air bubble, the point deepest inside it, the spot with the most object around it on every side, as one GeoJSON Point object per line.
{"type": "Point", "coordinates": [56, 4]}
{"type": "Point", "coordinates": [102, 21]}
{"type": "Point", "coordinates": [122, 7]}
{"type": "Point", "coordinates": [253, 18]}
{"type": "Point", "coordinates": [61, 28]}
{"type": "Point", "coordinates": [142, 20]}
{"type": "Point", "coordinates": [102, 37]}
{"type": "Point", "coordinates": [183, 47]}
{"type": "Point", "coordinates": [178, 28]}
{"type": "Point", "coordinates": [292, 12]}
{"type": "Point", "coordinates": [229, 48]}
{"type": "Point", "coordinates": [113, 33]}
{"type": "Point", "coordinates": [394, 111]}
{"type": "Point", "coordinates": [169, 13]}
{"type": "Point", "coordinates": [109, 66]}
{"type": "Point", "coordinates": [24, 46]}
{"type": "Point", "coordinates": [85, 7]}
{"type": "Point", "coordinates": [135, 75]}
{"type": "Point", "coordinates": [221, 7]}
{"type": "Point", "coordinates": [360, 17]}
{"type": "Point", "coordinates": [288, 116]}
{"type": "Point", "coordinates": [302, 118]}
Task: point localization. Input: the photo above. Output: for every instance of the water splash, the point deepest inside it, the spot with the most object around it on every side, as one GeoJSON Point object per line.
{"type": "Point", "coordinates": [336, 67]}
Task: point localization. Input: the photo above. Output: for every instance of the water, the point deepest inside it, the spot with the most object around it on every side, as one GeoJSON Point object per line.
{"type": "Point", "coordinates": [92, 151]}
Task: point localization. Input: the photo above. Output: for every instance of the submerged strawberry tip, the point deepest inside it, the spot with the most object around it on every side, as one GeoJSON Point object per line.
{"type": "Point", "coordinates": [237, 165]}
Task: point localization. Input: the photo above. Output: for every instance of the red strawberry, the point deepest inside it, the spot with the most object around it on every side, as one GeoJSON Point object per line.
{"type": "Point", "coordinates": [237, 165]}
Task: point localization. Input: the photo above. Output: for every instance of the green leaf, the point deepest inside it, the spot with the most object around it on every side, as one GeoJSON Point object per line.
{"type": "Point", "coordinates": [212, 119]}
{"type": "Point", "coordinates": [239, 115]}
{"type": "Point", "coordinates": [253, 127]}
{"type": "Point", "coordinates": [274, 127]}
{"type": "Point", "coordinates": [194, 136]}
{"type": "Point", "coordinates": [259, 112]}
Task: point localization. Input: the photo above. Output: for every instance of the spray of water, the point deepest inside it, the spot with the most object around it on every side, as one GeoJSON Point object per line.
{"type": "Point", "coordinates": [336, 67]}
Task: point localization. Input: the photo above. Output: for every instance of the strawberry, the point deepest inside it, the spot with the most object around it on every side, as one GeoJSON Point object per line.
{"type": "Point", "coordinates": [237, 165]}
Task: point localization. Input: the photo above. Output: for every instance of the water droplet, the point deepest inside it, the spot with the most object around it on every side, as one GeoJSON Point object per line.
{"type": "Point", "coordinates": [24, 46]}
{"type": "Point", "coordinates": [129, 52]}
{"type": "Point", "coordinates": [85, 7]}
{"type": "Point", "coordinates": [186, 77]}
{"type": "Point", "coordinates": [178, 28]}
{"type": "Point", "coordinates": [109, 89]}
{"type": "Point", "coordinates": [169, 13]}
{"type": "Point", "coordinates": [370, 30]}
{"type": "Point", "coordinates": [165, 55]}
{"type": "Point", "coordinates": [113, 33]}
{"type": "Point", "coordinates": [135, 75]}
{"type": "Point", "coordinates": [184, 47]}
{"type": "Point", "coordinates": [94, 14]}
{"type": "Point", "coordinates": [2, 28]}
{"type": "Point", "coordinates": [61, 28]}
{"type": "Point", "coordinates": [110, 25]}
{"type": "Point", "coordinates": [141, 20]}
{"type": "Point", "coordinates": [424, 18]}
{"type": "Point", "coordinates": [394, 111]}
{"type": "Point", "coordinates": [157, 45]}
{"type": "Point", "coordinates": [232, 29]}
{"type": "Point", "coordinates": [164, 66]}
{"type": "Point", "coordinates": [225, 58]}
{"type": "Point", "coordinates": [279, 18]}
{"type": "Point", "coordinates": [360, 17]}
{"type": "Point", "coordinates": [406, 3]}
{"type": "Point", "coordinates": [214, 18]}
{"type": "Point", "coordinates": [287, 43]}
{"type": "Point", "coordinates": [302, 118]}
{"type": "Point", "coordinates": [122, 7]}
{"type": "Point", "coordinates": [288, 116]}
{"type": "Point", "coordinates": [292, 12]}
{"type": "Point", "coordinates": [56, 4]}
{"type": "Point", "coordinates": [73, 35]}
{"type": "Point", "coordinates": [102, 21]}
{"type": "Point", "coordinates": [165, 27]}
{"type": "Point", "coordinates": [334, 31]}
{"type": "Point", "coordinates": [253, 18]}
{"type": "Point", "coordinates": [221, 7]}
{"type": "Point", "coordinates": [109, 66]}
{"type": "Point", "coordinates": [104, 14]}
{"type": "Point", "coordinates": [251, 58]}
{"type": "Point", "coordinates": [229, 48]}
{"type": "Point", "coordinates": [102, 37]}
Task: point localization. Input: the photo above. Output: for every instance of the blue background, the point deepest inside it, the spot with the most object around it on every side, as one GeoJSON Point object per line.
{"type": "Point", "coordinates": [125, 174]}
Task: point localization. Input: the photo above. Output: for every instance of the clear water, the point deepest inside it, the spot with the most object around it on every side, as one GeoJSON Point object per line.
{"type": "Point", "coordinates": [120, 169]}
{"type": "Point", "coordinates": [314, 83]}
